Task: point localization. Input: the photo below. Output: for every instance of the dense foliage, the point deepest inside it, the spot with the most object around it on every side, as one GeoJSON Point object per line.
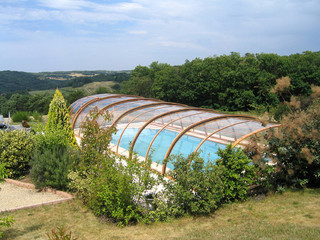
{"type": "Point", "coordinates": [112, 187]}
{"type": "Point", "coordinates": [238, 173]}
{"type": "Point", "coordinates": [4, 221]}
{"type": "Point", "coordinates": [295, 149]}
{"type": "Point", "coordinates": [19, 116]}
{"type": "Point", "coordinates": [58, 117]}
{"type": "Point", "coordinates": [227, 82]}
{"type": "Point", "coordinates": [51, 160]}
{"type": "Point", "coordinates": [13, 81]}
{"type": "Point", "coordinates": [23, 101]}
{"type": "Point", "coordinates": [201, 187]}
{"type": "Point", "coordinates": [15, 152]}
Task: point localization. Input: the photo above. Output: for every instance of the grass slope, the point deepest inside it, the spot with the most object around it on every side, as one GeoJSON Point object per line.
{"type": "Point", "coordinates": [89, 88]}
{"type": "Point", "coordinates": [292, 215]}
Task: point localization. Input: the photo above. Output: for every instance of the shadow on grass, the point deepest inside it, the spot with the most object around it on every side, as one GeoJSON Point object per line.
{"type": "Point", "coordinates": [12, 232]}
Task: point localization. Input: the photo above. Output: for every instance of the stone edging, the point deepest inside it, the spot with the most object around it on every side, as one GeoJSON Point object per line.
{"type": "Point", "coordinates": [66, 196]}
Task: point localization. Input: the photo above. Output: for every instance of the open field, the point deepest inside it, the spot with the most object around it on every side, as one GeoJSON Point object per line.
{"type": "Point", "coordinates": [292, 215]}
{"type": "Point", "coordinates": [89, 88]}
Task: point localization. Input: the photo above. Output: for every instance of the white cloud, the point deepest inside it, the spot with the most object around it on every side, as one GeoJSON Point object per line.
{"type": "Point", "coordinates": [138, 32]}
{"type": "Point", "coordinates": [65, 4]}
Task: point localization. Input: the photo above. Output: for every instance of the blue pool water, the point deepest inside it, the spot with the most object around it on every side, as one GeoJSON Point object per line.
{"type": "Point", "coordinates": [185, 146]}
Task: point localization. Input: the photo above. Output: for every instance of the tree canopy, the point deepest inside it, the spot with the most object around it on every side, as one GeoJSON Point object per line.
{"type": "Point", "coordinates": [228, 82]}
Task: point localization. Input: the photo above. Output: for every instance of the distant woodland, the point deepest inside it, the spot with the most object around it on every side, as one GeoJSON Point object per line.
{"type": "Point", "coordinates": [227, 83]}
{"type": "Point", "coordinates": [15, 87]}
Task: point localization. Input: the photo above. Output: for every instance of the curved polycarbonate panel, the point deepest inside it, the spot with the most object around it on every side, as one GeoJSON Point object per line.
{"type": "Point", "coordinates": [168, 127]}
{"type": "Point", "coordinates": [131, 131]}
{"type": "Point", "coordinates": [103, 103]}
{"type": "Point", "coordinates": [189, 142]}
{"type": "Point", "coordinates": [117, 110]}
{"type": "Point", "coordinates": [74, 107]}
{"type": "Point", "coordinates": [157, 130]}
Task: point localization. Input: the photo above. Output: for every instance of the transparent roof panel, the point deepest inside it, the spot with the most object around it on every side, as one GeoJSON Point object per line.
{"type": "Point", "coordinates": [159, 129]}
{"type": "Point", "coordinates": [169, 127]}
{"type": "Point", "coordinates": [130, 131]}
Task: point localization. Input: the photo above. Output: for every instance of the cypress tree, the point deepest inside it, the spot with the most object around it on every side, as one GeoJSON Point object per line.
{"type": "Point", "coordinates": [59, 119]}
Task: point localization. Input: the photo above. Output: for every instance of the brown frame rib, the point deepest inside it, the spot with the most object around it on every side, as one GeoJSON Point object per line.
{"type": "Point", "coordinates": [154, 138]}
{"type": "Point", "coordinates": [89, 100]}
{"type": "Point", "coordinates": [105, 107]}
{"type": "Point", "coordinates": [80, 110]}
{"type": "Point", "coordinates": [143, 106]}
{"type": "Point", "coordinates": [252, 133]}
{"type": "Point", "coordinates": [110, 105]}
{"type": "Point", "coordinates": [216, 131]}
{"type": "Point", "coordinates": [84, 106]}
{"type": "Point", "coordinates": [156, 102]}
{"type": "Point", "coordinates": [118, 143]}
{"type": "Point", "coordinates": [79, 102]}
{"type": "Point", "coordinates": [177, 138]}
{"type": "Point", "coordinates": [155, 118]}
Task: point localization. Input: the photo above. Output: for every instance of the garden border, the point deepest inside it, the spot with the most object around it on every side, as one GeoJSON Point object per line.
{"type": "Point", "coordinates": [66, 196]}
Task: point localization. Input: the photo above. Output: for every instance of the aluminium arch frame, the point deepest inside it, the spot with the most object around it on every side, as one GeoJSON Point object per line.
{"type": "Point", "coordinates": [157, 110]}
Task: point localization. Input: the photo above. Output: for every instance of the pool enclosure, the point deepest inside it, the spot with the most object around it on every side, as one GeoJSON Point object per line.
{"type": "Point", "coordinates": [156, 129]}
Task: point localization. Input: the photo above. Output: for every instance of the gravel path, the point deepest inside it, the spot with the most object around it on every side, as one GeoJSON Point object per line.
{"type": "Point", "coordinates": [12, 197]}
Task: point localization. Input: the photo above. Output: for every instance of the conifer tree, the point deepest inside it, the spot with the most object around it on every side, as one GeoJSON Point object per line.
{"type": "Point", "coordinates": [58, 117]}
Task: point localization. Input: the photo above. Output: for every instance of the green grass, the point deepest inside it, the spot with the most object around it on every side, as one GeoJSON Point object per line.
{"type": "Point", "coordinates": [292, 215]}
{"type": "Point", "coordinates": [89, 88]}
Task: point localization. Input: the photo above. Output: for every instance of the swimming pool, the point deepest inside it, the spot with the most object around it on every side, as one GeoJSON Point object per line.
{"type": "Point", "coordinates": [185, 146]}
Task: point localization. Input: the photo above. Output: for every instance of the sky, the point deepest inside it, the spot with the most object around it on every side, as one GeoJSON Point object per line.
{"type": "Point", "coordinates": [66, 35]}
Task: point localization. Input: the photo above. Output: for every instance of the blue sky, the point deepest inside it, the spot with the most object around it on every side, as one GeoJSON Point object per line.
{"type": "Point", "coordinates": [52, 35]}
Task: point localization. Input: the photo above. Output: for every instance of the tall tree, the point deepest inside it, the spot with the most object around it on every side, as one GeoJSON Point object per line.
{"type": "Point", "coordinates": [58, 117]}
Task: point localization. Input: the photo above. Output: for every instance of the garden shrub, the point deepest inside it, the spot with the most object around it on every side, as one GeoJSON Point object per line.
{"type": "Point", "coordinates": [297, 151]}
{"type": "Point", "coordinates": [4, 221]}
{"type": "Point", "coordinates": [50, 167]}
{"type": "Point", "coordinates": [238, 173]}
{"type": "Point", "coordinates": [197, 189]}
{"type": "Point", "coordinates": [112, 187]}
{"type": "Point", "coordinates": [3, 172]}
{"type": "Point", "coordinates": [51, 160]}
{"type": "Point", "coordinates": [37, 117]}
{"type": "Point", "coordinates": [16, 151]}
{"type": "Point", "coordinates": [19, 116]}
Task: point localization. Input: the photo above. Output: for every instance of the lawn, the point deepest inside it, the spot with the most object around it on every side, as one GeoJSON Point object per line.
{"type": "Point", "coordinates": [291, 215]}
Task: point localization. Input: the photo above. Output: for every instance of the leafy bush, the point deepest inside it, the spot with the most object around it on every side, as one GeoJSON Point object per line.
{"type": "Point", "coordinates": [4, 221]}
{"type": "Point", "coordinates": [200, 188]}
{"type": "Point", "coordinates": [50, 167]}
{"type": "Point", "coordinates": [197, 189]}
{"type": "Point", "coordinates": [294, 150]}
{"type": "Point", "coordinates": [16, 151]}
{"type": "Point", "coordinates": [238, 173]}
{"type": "Point", "coordinates": [297, 151]}
{"type": "Point", "coordinates": [51, 160]}
{"type": "Point", "coordinates": [37, 116]}
{"type": "Point", "coordinates": [3, 172]}
{"type": "Point", "coordinates": [19, 116]}
{"type": "Point", "coordinates": [112, 187]}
